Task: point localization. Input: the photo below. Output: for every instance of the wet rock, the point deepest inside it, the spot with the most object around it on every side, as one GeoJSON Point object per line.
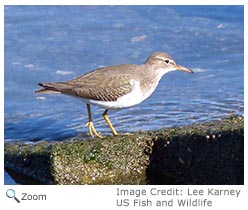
{"type": "Point", "coordinates": [207, 153]}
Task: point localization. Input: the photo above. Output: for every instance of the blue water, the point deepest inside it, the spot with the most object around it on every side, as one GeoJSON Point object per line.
{"type": "Point", "coordinates": [57, 43]}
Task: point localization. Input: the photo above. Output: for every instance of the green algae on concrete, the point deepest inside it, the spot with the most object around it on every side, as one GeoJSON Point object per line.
{"type": "Point", "coordinates": [28, 163]}
{"type": "Point", "coordinates": [119, 160]}
{"type": "Point", "coordinates": [110, 161]}
{"type": "Point", "coordinates": [206, 153]}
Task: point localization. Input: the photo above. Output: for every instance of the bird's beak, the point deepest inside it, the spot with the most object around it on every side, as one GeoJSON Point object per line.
{"type": "Point", "coordinates": [182, 68]}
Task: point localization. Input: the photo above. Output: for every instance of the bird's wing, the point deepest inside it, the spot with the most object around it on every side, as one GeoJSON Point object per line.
{"type": "Point", "coordinates": [105, 84]}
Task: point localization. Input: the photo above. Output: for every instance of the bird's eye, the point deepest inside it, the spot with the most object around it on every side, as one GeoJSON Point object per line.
{"type": "Point", "coordinates": [166, 61]}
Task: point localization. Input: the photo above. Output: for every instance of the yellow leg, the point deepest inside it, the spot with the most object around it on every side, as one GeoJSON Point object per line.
{"type": "Point", "coordinates": [106, 118]}
{"type": "Point", "coordinates": [90, 125]}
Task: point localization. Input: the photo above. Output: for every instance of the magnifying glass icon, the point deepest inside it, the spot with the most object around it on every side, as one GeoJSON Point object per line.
{"type": "Point", "coordinates": [10, 193]}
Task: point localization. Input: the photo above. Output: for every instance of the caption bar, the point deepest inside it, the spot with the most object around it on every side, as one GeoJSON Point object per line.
{"type": "Point", "coordinates": [171, 197]}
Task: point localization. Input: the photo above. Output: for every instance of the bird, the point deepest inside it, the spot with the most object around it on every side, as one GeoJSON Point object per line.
{"type": "Point", "coordinates": [115, 87]}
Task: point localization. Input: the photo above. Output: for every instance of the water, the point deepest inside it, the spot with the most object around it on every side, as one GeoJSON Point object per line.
{"type": "Point", "coordinates": [57, 43]}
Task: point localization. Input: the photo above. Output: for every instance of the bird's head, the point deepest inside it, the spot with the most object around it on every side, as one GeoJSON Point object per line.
{"type": "Point", "coordinates": [165, 63]}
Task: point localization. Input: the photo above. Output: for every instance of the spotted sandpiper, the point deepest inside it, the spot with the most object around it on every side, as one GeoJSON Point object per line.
{"type": "Point", "coordinates": [116, 87]}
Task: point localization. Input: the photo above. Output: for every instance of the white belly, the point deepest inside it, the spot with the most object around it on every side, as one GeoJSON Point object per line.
{"type": "Point", "coordinates": [131, 99]}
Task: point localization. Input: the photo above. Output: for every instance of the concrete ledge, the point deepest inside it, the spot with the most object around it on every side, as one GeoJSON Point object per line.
{"type": "Point", "coordinates": [207, 153]}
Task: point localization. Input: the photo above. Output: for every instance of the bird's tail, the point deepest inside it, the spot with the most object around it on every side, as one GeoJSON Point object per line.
{"type": "Point", "coordinates": [55, 87]}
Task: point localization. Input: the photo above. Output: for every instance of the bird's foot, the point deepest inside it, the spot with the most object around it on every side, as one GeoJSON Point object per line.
{"type": "Point", "coordinates": [93, 131]}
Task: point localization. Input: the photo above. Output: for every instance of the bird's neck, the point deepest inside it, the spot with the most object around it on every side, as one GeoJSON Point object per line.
{"type": "Point", "coordinates": [150, 78]}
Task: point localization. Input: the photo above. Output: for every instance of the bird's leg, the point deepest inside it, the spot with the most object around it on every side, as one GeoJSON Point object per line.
{"type": "Point", "coordinates": [90, 124]}
{"type": "Point", "coordinates": [106, 118]}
